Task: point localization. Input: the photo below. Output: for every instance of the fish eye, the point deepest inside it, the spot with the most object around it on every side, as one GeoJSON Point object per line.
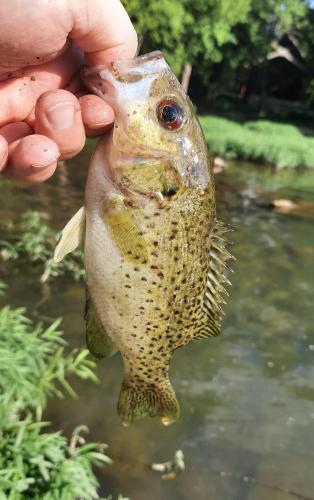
{"type": "Point", "coordinates": [170, 115]}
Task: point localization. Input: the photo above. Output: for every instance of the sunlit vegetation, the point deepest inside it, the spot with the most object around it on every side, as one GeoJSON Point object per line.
{"type": "Point", "coordinates": [277, 144]}
{"type": "Point", "coordinates": [32, 239]}
{"type": "Point", "coordinates": [207, 33]}
{"type": "Point", "coordinates": [35, 462]}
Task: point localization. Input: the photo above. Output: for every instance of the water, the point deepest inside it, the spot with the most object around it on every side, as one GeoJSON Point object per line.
{"type": "Point", "coordinates": [247, 397]}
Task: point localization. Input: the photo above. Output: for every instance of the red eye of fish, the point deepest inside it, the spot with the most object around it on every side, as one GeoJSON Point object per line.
{"type": "Point", "coordinates": [170, 115]}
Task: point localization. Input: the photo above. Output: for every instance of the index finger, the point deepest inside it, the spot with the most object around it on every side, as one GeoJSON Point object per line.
{"type": "Point", "coordinates": [103, 30]}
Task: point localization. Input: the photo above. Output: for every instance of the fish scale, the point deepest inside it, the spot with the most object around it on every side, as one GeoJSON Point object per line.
{"type": "Point", "coordinates": [154, 253]}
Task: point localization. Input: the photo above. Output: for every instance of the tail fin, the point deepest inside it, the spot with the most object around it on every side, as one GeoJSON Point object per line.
{"type": "Point", "coordinates": [139, 399]}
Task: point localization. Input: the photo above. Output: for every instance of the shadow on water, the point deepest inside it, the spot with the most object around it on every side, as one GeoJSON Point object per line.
{"type": "Point", "coordinates": [247, 397]}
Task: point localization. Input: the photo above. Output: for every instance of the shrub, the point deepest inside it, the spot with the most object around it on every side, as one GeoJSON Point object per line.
{"type": "Point", "coordinates": [278, 144]}
{"type": "Point", "coordinates": [35, 463]}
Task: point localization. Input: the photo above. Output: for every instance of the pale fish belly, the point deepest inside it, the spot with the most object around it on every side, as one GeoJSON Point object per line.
{"type": "Point", "coordinates": [156, 303]}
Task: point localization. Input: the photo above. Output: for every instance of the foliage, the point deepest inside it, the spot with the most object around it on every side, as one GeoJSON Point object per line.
{"type": "Point", "coordinates": [207, 32]}
{"type": "Point", "coordinates": [263, 141]}
{"type": "Point", "coordinates": [34, 463]}
{"type": "Point", "coordinates": [266, 22]}
{"type": "Point", "coordinates": [310, 93]}
{"type": "Point", "coordinates": [187, 31]}
{"type": "Point", "coordinates": [303, 29]}
{"type": "Point", "coordinates": [35, 241]}
{"type": "Point", "coordinates": [2, 288]}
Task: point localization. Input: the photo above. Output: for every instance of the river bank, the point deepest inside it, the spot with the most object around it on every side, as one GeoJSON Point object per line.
{"type": "Point", "coordinates": [280, 145]}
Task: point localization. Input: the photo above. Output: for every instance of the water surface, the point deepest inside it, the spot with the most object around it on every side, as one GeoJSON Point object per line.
{"type": "Point", "coordinates": [247, 397]}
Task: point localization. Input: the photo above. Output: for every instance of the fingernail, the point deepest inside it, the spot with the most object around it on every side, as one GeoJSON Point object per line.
{"type": "Point", "coordinates": [61, 116]}
{"type": "Point", "coordinates": [102, 124]}
{"type": "Point", "coordinates": [45, 165]}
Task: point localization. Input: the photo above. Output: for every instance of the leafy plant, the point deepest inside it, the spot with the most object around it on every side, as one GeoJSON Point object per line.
{"type": "Point", "coordinates": [35, 463]}
{"type": "Point", "coordinates": [277, 144]}
{"type": "Point", "coordinates": [211, 33]}
{"type": "Point", "coordinates": [35, 241]}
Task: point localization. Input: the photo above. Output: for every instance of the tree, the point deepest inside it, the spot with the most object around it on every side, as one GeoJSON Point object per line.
{"type": "Point", "coordinates": [187, 31]}
{"type": "Point", "coordinates": [216, 36]}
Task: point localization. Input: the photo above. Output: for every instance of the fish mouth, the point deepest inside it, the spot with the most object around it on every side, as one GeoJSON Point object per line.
{"type": "Point", "coordinates": [130, 70]}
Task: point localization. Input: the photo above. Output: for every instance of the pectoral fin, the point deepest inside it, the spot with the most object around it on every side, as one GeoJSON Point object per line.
{"type": "Point", "coordinates": [72, 235]}
{"type": "Point", "coordinates": [97, 340]}
{"type": "Point", "coordinates": [126, 236]}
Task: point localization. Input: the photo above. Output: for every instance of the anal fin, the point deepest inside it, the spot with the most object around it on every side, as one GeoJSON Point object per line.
{"type": "Point", "coordinates": [98, 341]}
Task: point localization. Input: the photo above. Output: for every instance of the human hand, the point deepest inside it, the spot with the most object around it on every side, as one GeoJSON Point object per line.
{"type": "Point", "coordinates": [45, 111]}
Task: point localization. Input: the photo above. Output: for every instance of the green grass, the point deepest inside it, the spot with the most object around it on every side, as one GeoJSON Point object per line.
{"type": "Point", "coordinates": [281, 145]}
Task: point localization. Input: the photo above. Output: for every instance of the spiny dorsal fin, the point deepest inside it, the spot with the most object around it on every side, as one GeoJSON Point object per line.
{"type": "Point", "coordinates": [72, 235]}
{"type": "Point", "coordinates": [219, 256]}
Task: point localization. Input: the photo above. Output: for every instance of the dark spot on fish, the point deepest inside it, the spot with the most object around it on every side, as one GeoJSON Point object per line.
{"type": "Point", "coordinates": [154, 267]}
{"type": "Point", "coordinates": [127, 276]}
{"type": "Point", "coordinates": [168, 192]}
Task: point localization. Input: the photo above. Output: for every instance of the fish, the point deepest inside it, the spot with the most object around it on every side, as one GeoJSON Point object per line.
{"type": "Point", "coordinates": [155, 254]}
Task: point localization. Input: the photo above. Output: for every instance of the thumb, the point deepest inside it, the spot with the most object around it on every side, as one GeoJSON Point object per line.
{"type": "Point", "coordinates": [103, 30]}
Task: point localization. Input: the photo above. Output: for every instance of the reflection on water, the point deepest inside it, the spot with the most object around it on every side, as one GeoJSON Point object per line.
{"type": "Point", "coordinates": [247, 397]}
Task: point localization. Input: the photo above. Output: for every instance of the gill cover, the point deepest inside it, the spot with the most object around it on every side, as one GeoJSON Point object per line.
{"type": "Point", "coordinates": [155, 121]}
